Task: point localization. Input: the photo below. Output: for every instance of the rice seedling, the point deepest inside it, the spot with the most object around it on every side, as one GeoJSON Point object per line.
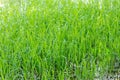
{"type": "Point", "coordinates": [59, 39]}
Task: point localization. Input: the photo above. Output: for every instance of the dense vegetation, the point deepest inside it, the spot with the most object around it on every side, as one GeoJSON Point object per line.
{"type": "Point", "coordinates": [58, 39]}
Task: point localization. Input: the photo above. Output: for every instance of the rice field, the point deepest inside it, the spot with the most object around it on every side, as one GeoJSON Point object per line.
{"type": "Point", "coordinates": [59, 39]}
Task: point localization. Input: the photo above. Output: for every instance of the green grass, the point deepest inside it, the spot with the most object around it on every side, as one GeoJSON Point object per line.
{"type": "Point", "coordinates": [58, 39]}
